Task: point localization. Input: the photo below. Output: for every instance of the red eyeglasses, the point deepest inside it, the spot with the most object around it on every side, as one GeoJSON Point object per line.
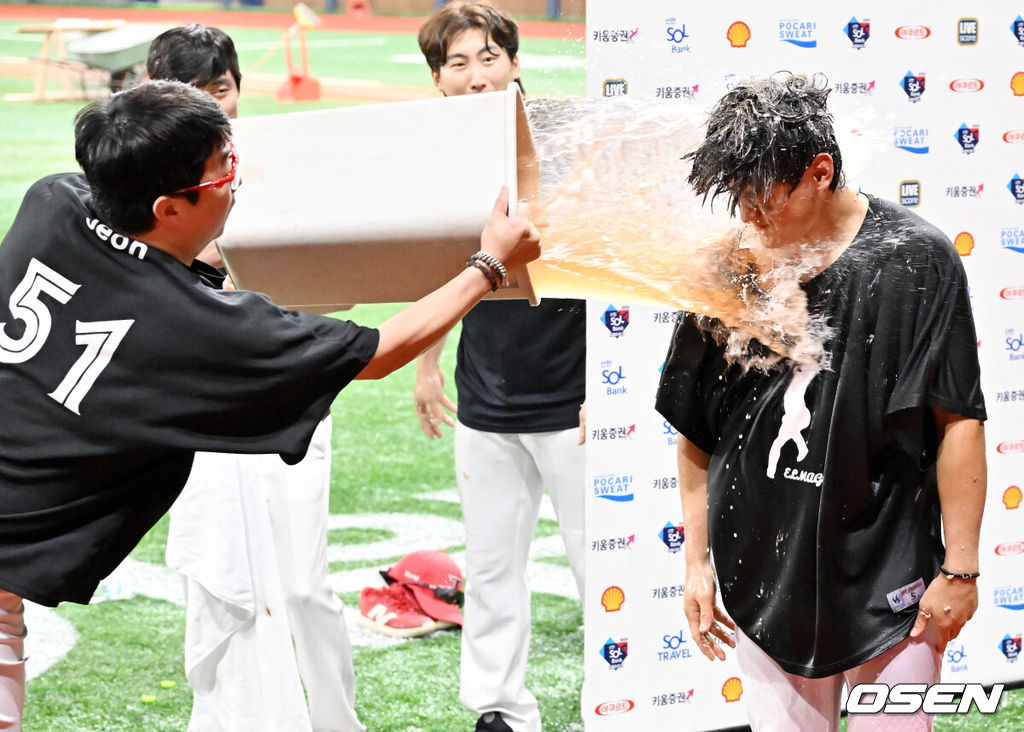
{"type": "Point", "coordinates": [220, 182]}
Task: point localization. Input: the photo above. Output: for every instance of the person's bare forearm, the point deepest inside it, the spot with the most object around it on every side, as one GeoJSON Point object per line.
{"type": "Point", "coordinates": [408, 333]}
{"type": "Point", "coordinates": [431, 358]}
{"type": "Point", "coordinates": [962, 478]}
{"type": "Point", "coordinates": [693, 493]}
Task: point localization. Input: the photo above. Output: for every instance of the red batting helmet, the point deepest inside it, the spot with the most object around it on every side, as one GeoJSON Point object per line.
{"type": "Point", "coordinates": [436, 581]}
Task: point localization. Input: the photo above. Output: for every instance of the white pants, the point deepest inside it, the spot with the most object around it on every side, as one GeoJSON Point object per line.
{"type": "Point", "coordinates": [250, 535]}
{"type": "Point", "coordinates": [501, 479]}
{"type": "Point", "coordinates": [776, 700]}
{"type": "Point", "coordinates": [12, 661]}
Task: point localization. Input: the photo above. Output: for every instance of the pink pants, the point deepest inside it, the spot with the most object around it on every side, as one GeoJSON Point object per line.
{"type": "Point", "coordinates": [12, 661]}
{"type": "Point", "coordinates": [776, 700]}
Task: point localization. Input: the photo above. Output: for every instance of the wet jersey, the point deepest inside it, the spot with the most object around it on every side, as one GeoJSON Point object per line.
{"type": "Point", "coordinates": [117, 363]}
{"type": "Point", "coordinates": [823, 506]}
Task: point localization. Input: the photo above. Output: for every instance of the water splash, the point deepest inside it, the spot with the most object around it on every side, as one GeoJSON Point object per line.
{"type": "Point", "coordinates": [619, 221]}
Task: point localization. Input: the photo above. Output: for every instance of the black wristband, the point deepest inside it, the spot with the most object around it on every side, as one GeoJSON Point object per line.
{"type": "Point", "coordinates": [959, 575]}
{"type": "Point", "coordinates": [487, 272]}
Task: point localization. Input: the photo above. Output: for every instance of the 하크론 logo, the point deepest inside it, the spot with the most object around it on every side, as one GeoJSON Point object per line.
{"type": "Point", "coordinates": [913, 32]}
{"type": "Point", "coordinates": [1016, 188]}
{"type": "Point", "coordinates": [968, 137]}
{"type": "Point", "coordinates": [609, 708]}
{"type": "Point", "coordinates": [858, 31]}
{"type": "Point", "coordinates": [797, 32]}
{"type": "Point", "coordinates": [1014, 137]}
{"type": "Point", "coordinates": [1010, 549]}
{"type": "Point", "coordinates": [910, 193]}
{"type": "Point", "coordinates": [615, 652]}
{"type": "Point", "coordinates": [1010, 447]}
{"type": "Point", "coordinates": [967, 31]}
{"type": "Point", "coordinates": [913, 85]}
{"type": "Point", "coordinates": [966, 86]}
{"type": "Point", "coordinates": [912, 139]}
{"type": "Point", "coordinates": [673, 536]}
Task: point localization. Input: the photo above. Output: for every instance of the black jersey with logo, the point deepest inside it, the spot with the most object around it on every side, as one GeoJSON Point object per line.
{"type": "Point", "coordinates": [117, 363]}
{"type": "Point", "coordinates": [823, 506]}
{"type": "Point", "coordinates": [521, 368]}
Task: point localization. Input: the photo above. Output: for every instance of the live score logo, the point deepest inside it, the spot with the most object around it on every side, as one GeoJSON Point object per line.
{"type": "Point", "coordinates": [910, 193]}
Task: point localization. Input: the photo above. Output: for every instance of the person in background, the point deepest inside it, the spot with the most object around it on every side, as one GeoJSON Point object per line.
{"type": "Point", "coordinates": [520, 382]}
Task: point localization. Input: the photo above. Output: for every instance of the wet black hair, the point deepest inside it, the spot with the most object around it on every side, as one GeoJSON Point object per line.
{"type": "Point", "coordinates": [763, 132]}
{"type": "Point", "coordinates": [194, 54]}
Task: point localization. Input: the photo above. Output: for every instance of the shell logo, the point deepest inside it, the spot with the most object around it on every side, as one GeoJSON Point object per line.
{"type": "Point", "coordinates": [1017, 84]}
{"type": "Point", "coordinates": [612, 599]}
{"type": "Point", "coordinates": [619, 706]}
{"type": "Point", "coordinates": [732, 689]}
{"type": "Point", "coordinates": [1012, 293]}
{"type": "Point", "coordinates": [913, 32]}
{"type": "Point", "coordinates": [1012, 498]}
{"type": "Point", "coordinates": [1010, 446]}
{"type": "Point", "coordinates": [966, 85]}
{"type": "Point", "coordinates": [964, 244]}
{"type": "Point", "coordinates": [738, 34]}
{"type": "Point", "coordinates": [1013, 136]}
{"type": "Point", "coordinates": [1009, 548]}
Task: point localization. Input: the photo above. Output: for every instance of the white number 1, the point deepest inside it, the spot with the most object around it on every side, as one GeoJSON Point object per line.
{"type": "Point", "coordinates": [100, 339]}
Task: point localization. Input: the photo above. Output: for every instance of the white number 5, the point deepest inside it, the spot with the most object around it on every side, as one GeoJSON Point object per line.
{"type": "Point", "coordinates": [26, 306]}
{"type": "Point", "coordinates": [100, 338]}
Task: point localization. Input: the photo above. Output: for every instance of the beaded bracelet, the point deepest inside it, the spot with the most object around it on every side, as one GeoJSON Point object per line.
{"type": "Point", "coordinates": [959, 575]}
{"type": "Point", "coordinates": [487, 272]}
{"type": "Point", "coordinates": [491, 261]}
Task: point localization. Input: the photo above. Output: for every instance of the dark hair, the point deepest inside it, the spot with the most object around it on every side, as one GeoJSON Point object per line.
{"type": "Point", "coordinates": [194, 54]}
{"type": "Point", "coordinates": [440, 28]}
{"type": "Point", "coordinates": [144, 143]}
{"type": "Point", "coordinates": [763, 132]}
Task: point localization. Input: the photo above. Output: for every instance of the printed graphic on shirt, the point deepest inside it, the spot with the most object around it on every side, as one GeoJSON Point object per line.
{"type": "Point", "coordinates": [796, 416]}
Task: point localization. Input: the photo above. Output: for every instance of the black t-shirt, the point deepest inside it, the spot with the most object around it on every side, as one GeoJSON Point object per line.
{"type": "Point", "coordinates": [117, 363]}
{"type": "Point", "coordinates": [823, 507]}
{"type": "Point", "coordinates": [521, 368]}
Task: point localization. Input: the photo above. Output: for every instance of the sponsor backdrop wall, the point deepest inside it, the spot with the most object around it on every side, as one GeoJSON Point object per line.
{"type": "Point", "coordinates": [929, 101]}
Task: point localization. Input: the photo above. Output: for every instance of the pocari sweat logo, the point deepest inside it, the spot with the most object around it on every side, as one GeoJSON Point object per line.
{"type": "Point", "coordinates": [968, 137]}
{"type": "Point", "coordinates": [912, 139]}
{"type": "Point", "coordinates": [858, 31]}
{"type": "Point", "coordinates": [913, 85]}
{"type": "Point", "coordinates": [616, 488]}
{"type": "Point", "coordinates": [1012, 238]}
{"type": "Point", "coordinates": [1017, 28]}
{"type": "Point", "coordinates": [1016, 188]}
{"type": "Point", "coordinates": [800, 33]}
{"type": "Point", "coordinates": [1010, 597]}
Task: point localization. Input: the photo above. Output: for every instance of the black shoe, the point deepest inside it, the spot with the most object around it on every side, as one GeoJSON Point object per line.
{"type": "Point", "coordinates": [491, 722]}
